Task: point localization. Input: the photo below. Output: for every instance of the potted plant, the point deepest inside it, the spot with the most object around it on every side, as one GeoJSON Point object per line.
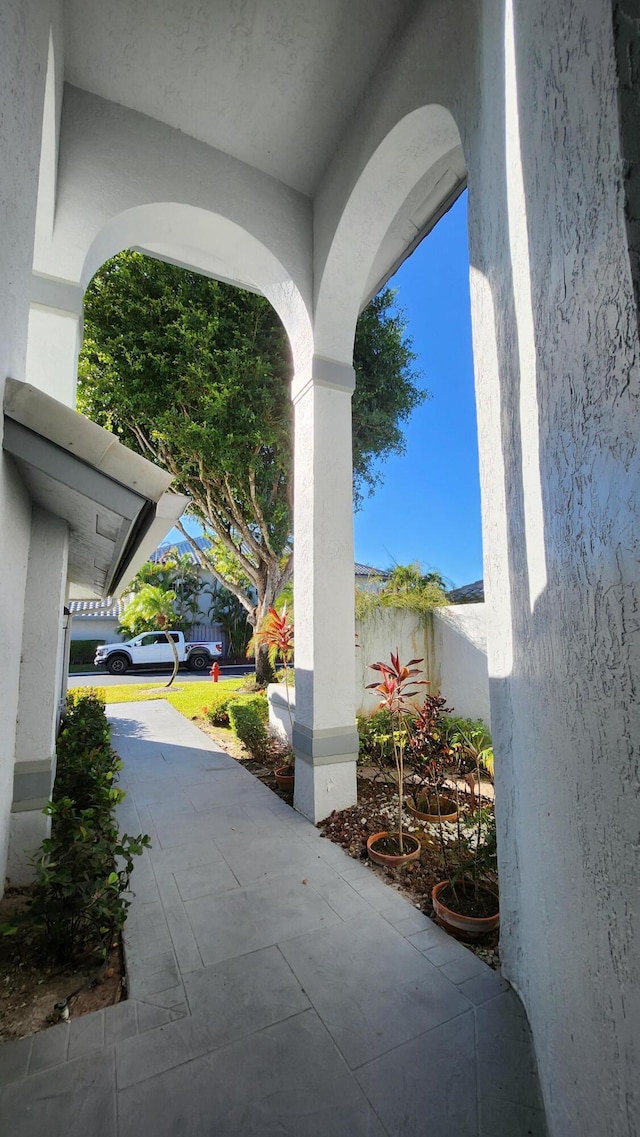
{"type": "Point", "coordinates": [466, 901]}
{"type": "Point", "coordinates": [428, 750]}
{"type": "Point", "coordinates": [276, 631]}
{"type": "Point", "coordinates": [395, 848]}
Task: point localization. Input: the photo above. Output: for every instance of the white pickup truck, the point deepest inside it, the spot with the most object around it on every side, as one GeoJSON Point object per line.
{"type": "Point", "coordinates": [151, 648]}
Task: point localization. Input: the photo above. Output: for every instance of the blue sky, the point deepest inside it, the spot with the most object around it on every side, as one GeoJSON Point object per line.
{"type": "Point", "coordinates": [428, 507]}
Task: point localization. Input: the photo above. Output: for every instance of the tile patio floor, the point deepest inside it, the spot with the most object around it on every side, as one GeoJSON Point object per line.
{"type": "Point", "coordinates": [277, 987]}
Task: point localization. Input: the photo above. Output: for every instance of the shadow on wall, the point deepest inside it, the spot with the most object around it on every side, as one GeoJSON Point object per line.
{"type": "Point", "coordinates": [453, 643]}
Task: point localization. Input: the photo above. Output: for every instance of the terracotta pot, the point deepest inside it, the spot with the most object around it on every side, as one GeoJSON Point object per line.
{"type": "Point", "coordinates": [463, 927]}
{"type": "Point", "coordinates": [285, 777]}
{"type": "Point", "coordinates": [389, 859]}
{"type": "Point", "coordinates": [448, 811]}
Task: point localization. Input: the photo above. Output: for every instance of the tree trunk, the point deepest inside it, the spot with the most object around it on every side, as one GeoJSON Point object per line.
{"type": "Point", "coordinates": [264, 670]}
{"type": "Point", "coordinates": [176, 661]}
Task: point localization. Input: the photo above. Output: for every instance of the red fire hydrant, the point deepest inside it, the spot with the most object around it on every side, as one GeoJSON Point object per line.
{"type": "Point", "coordinates": [215, 672]}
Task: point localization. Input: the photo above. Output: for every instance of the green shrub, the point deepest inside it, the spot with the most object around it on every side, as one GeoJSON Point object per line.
{"type": "Point", "coordinates": [83, 651]}
{"type": "Point", "coordinates": [375, 733]}
{"type": "Point", "coordinates": [258, 703]}
{"type": "Point", "coordinates": [217, 712]}
{"type": "Point", "coordinates": [249, 727]}
{"type": "Point", "coordinates": [84, 868]}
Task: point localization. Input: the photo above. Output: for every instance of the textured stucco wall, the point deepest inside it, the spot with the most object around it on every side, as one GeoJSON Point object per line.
{"type": "Point", "coordinates": [23, 57]}
{"type": "Point", "coordinates": [557, 351]}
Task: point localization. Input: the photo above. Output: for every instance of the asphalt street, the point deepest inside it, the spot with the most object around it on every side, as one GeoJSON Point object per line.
{"type": "Point", "coordinates": [96, 678]}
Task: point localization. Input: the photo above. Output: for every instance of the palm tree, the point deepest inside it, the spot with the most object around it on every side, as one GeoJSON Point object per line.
{"type": "Point", "coordinates": [156, 604]}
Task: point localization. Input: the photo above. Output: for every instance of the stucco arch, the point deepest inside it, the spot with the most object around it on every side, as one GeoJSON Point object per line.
{"type": "Point", "coordinates": [411, 177]}
{"type": "Point", "coordinates": [209, 243]}
{"type": "Point", "coordinates": [127, 180]}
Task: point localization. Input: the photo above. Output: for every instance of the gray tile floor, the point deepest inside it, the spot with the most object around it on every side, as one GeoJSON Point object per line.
{"type": "Point", "coordinates": [277, 987]}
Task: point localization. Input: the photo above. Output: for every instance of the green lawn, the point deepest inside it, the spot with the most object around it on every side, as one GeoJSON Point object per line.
{"type": "Point", "coordinates": [188, 698]}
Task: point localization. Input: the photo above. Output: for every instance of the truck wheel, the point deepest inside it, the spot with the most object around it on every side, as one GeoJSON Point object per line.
{"type": "Point", "coordinates": [198, 662]}
{"type": "Point", "coordinates": [117, 664]}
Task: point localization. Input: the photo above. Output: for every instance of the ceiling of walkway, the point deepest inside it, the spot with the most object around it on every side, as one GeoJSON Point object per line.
{"type": "Point", "coordinates": [272, 82]}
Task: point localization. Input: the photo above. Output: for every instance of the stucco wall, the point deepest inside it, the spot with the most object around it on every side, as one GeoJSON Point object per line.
{"type": "Point", "coordinates": [458, 658]}
{"type": "Point", "coordinates": [94, 629]}
{"type": "Point", "coordinates": [557, 351]}
{"type": "Point", "coordinates": [23, 57]}
{"type": "Point", "coordinates": [452, 643]}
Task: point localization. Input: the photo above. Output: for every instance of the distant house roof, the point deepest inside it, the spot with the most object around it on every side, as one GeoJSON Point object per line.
{"type": "Point", "coordinates": [108, 608]}
{"type": "Point", "coordinates": [204, 543]}
{"type": "Point", "coordinates": [181, 547]}
{"type": "Point", "coordinates": [468, 594]}
{"type": "Point", "coordinates": [367, 570]}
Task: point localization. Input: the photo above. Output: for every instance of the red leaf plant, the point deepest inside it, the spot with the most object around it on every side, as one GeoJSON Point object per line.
{"type": "Point", "coordinates": [276, 631]}
{"type": "Point", "coordinates": [395, 698]}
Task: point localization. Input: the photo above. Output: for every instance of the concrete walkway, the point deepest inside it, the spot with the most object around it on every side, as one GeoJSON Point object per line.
{"type": "Point", "coordinates": [277, 986]}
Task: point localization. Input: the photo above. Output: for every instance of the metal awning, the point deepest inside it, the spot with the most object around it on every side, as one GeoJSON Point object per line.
{"type": "Point", "coordinates": [114, 501]}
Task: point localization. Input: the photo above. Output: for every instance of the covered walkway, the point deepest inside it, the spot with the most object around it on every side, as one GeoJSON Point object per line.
{"type": "Point", "coordinates": [277, 986]}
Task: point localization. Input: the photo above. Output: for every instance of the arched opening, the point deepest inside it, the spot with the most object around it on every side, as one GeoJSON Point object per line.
{"type": "Point", "coordinates": [212, 245]}
{"type": "Point", "coordinates": [225, 300]}
{"type": "Point", "coordinates": [415, 178]}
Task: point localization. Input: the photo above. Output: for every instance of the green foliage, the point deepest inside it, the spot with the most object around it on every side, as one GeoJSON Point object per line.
{"type": "Point", "coordinates": [227, 610]}
{"type": "Point", "coordinates": [259, 704]}
{"type": "Point", "coordinates": [375, 734]}
{"type": "Point", "coordinates": [217, 710]}
{"type": "Point", "coordinates": [218, 715]}
{"type": "Point", "coordinates": [249, 727]}
{"type": "Point", "coordinates": [151, 608]}
{"type": "Point", "coordinates": [168, 362]}
{"type": "Point", "coordinates": [407, 587]}
{"type": "Point", "coordinates": [153, 605]}
{"type": "Point", "coordinates": [456, 729]}
{"type": "Point", "coordinates": [177, 574]}
{"type": "Point", "coordinates": [83, 651]}
{"type": "Point", "coordinates": [387, 390]}
{"type": "Point", "coordinates": [84, 869]}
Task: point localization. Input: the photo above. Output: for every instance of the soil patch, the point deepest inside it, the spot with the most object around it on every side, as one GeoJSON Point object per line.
{"type": "Point", "coordinates": [31, 988]}
{"type": "Point", "coordinates": [466, 903]}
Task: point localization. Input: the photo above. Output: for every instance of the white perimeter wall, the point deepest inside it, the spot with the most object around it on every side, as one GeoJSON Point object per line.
{"type": "Point", "coordinates": [452, 642]}
{"type": "Point", "coordinates": [88, 628]}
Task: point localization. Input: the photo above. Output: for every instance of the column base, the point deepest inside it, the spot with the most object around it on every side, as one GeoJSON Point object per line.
{"type": "Point", "coordinates": [321, 789]}
{"type": "Point", "coordinates": [27, 830]}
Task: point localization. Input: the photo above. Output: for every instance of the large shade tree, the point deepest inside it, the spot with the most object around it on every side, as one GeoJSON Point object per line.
{"type": "Point", "coordinates": [194, 374]}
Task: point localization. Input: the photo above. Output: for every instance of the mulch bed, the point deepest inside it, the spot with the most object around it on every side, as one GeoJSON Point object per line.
{"type": "Point", "coordinates": [30, 988]}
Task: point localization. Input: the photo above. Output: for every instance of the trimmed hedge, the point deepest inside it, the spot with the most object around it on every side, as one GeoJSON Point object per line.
{"type": "Point", "coordinates": [217, 712]}
{"type": "Point", "coordinates": [249, 727]}
{"type": "Point", "coordinates": [83, 651]}
{"type": "Point", "coordinates": [84, 869]}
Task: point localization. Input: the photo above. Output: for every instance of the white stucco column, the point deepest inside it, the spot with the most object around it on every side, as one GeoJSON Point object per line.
{"type": "Point", "coordinates": [54, 338]}
{"type": "Point", "coordinates": [325, 739]}
{"type": "Point", "coordinates": [41, 664]}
